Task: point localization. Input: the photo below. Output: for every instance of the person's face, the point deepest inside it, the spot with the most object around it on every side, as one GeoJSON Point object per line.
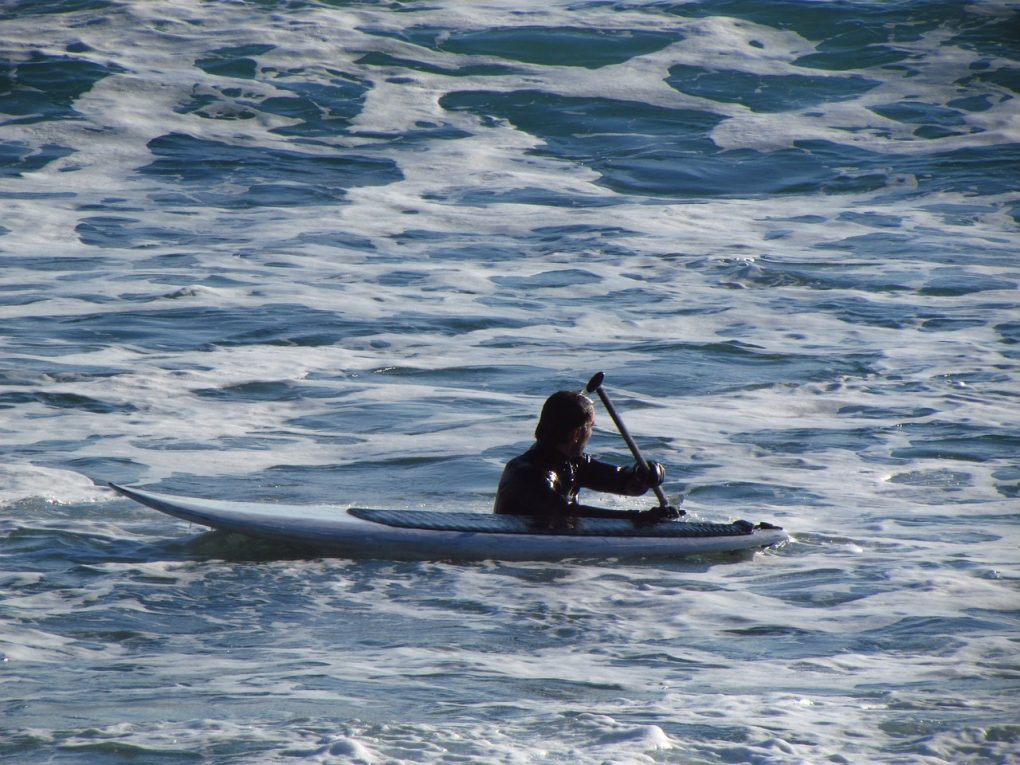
{"type": "Point", "coordinates": [581, 437]}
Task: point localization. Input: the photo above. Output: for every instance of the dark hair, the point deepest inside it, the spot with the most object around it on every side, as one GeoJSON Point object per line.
{"type": "Point", "coordinates": [563, 411]}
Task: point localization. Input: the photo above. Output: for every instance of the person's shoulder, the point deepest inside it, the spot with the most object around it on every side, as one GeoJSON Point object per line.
{"type": "Point", "coordinates": [529, 459]}
{"type": "Point", "coordinates": [522, 481]}
{"type": "Point", "coordinates": [537, 460]}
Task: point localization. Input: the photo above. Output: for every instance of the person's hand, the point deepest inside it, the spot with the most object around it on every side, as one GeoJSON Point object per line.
{"type": "Point", "coordinates": [655, 474]}
{"type": "Point", "coordinates": [645, 478]}
{"type": "Point", "coordinates": [657, 515]}
{"type": "Point", "coordinates": [666, 513]}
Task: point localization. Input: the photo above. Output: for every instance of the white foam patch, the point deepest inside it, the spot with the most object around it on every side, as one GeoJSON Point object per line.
{"type": "Point", "coordinates": [59, 487]}
{"type": "Point", "coordinates": [780, 657]}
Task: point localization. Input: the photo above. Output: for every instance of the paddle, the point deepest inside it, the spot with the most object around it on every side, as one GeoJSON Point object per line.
{"type": "Point", "coordinates": [595, 386]}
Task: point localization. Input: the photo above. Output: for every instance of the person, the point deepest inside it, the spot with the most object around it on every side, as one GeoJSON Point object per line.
{"type": "Point", "coordinates": [544, 481]}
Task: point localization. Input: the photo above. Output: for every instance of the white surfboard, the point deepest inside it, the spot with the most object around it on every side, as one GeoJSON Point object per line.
{"type": "Point", "coordinates": [418, 534]}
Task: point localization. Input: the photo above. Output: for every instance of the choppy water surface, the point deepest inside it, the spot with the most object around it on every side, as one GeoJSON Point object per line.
{"type": "Point", "coordinates": [340, 252]}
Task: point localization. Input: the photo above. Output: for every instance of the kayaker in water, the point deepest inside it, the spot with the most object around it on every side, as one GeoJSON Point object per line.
{"type": "Point", "coordinates": [545, 480]}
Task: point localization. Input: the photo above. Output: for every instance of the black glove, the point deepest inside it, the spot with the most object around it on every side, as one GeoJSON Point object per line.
{"type": "Point", "coordinates": [657, 515]}
{"type": "Point", "coordinates": [655, 474]}
{"type": "Point", "coordinates": [643, 479]}
{"type": "Point", "coordinates": [666, 513]}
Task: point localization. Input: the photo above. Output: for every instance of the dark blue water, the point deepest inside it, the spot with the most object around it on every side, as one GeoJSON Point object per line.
{"type": "Point", "coordinates": [340, 252]}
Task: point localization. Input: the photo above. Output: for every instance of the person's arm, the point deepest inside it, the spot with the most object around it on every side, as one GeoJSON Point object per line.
{"type": "Point", "coordinates": [587, 511]}
{"type": "Point", "coordinates": [601, 476]}
{"type": "Point", "coordinates": [637, 517]}
{"type": "Point", "coordinates": [632, 481]}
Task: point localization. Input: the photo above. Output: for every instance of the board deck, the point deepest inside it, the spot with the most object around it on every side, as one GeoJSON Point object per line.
{"type": "Point", "coordinates": [488, 523]}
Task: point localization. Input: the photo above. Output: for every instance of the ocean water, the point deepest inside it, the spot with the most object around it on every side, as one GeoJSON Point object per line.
{"type": "Point", "coordinates": [340, 252]}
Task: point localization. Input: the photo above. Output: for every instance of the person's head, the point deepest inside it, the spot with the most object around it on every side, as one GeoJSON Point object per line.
{"type": "Point", "coordinates": [566, 422]}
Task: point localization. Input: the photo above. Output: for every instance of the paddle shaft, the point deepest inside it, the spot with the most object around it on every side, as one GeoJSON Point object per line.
{"type": "Point", "coordinates": [595, 386]}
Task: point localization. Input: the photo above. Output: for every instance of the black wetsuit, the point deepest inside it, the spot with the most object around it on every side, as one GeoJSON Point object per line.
{"type": "Point", "coordinates": [543, 483]}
